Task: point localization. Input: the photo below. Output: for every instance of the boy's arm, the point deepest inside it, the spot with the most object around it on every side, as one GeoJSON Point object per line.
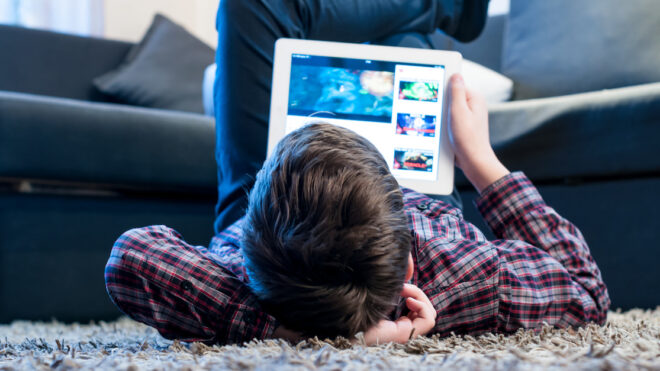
{"type": "Point", "coordinates": [546, 272]}
{"type": "Point", "coordinates": [550, 277]}
{"type": "Point", "coordinates": [156, 278]}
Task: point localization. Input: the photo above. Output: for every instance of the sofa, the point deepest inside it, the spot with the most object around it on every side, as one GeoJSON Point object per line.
{"type": "Point", "coordinates": [77, 168]}
{"type": "Point", "coordinates": [584, 125]}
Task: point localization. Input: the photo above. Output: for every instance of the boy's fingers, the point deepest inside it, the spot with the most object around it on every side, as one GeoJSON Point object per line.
{"type": "Point", "coordinates": [458, 94]}
{"type": "Point", "coordinates": [470, 97]}
{"type": "Point", "coordinates": [422, 309]}
{"type": "Point", "coordinates": [412, 291]}
{"type": "Point", "coordinates": [383, 332]}
{"type": "Point", "coordinates": [415, 305]}
{"type": "Point", "coordinates": [474, 100]}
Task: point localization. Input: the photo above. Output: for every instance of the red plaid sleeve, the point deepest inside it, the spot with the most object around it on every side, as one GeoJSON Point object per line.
{"type": "Point", "coordinates": [546, 272]}
{"type": "Point", "coordinates": [539, 271]}
{"type": "Point", "coordinates": [185, 292]}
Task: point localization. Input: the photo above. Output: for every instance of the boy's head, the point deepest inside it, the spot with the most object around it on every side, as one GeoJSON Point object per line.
{"type": "Point", "coordinates": [326, 240]}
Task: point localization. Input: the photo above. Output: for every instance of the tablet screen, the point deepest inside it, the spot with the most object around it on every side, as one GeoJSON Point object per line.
{"type": "Point", "coordinates": [398, 107]}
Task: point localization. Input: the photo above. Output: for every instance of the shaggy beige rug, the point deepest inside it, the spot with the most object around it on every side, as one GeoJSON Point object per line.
{"type": "Point", "coordinates": [629, 340]}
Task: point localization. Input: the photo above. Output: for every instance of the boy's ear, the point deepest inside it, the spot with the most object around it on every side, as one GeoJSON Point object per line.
{"type": "Point", "coordinates": [411, 268]}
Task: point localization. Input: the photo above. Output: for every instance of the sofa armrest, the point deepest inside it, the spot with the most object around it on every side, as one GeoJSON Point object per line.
{"type": "Point", "coordinates": [605, 134]}
{"type": "Point", "coordinates": [116, 146]}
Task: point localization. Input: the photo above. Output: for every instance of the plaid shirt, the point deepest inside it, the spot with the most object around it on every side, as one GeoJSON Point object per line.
{"type": "Point", "coordinates": [539, 271]}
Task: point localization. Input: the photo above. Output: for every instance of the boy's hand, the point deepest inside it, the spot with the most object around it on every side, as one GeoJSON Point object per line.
{"type": "Point", "coordinates": [282, 332]}
{"type": "Point", "coordinates": [419, 321]}
{"type": "Point", "coordinates": [469, 136]}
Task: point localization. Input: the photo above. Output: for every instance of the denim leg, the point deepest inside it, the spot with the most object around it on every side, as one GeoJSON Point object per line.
{"type": "Point", "coordinates": [247, 31]}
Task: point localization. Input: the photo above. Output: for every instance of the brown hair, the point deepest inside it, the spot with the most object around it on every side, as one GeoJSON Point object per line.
{"type": "Point", "coordinates": [326, 240]}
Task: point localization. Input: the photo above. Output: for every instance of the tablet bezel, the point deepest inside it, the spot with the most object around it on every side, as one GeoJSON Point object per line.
{"type": "Point", "coordinates": [284, 48]}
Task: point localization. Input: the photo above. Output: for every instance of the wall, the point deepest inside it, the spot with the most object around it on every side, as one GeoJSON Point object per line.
{"type": "Point", "coordinates": [498, 7]}
{"type": "Point", "coordinates": [129, 19]}
{"type": "Point", "coordinates": [80, 17]}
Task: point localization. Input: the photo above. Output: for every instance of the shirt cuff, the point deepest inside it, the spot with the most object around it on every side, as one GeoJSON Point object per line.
{"type": "Point", "coordinates": [249, 322]}
{"type": "Point", "coordinates": [509, 198]}
{"type": "Point", "coordinates": [260, 325]}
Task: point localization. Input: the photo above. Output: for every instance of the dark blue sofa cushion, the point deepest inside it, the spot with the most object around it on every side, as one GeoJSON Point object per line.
{"type": "Point", "coordinates": [56, 64]}
{"type": "Point", "coordinates": [109, 145]}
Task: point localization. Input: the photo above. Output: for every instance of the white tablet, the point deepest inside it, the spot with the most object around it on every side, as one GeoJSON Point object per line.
{"type": "Point", "coordinates": [395, 97]}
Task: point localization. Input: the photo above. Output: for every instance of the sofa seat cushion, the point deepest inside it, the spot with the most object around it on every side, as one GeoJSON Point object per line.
{"type": "Point", "coordinates": [112, 145]}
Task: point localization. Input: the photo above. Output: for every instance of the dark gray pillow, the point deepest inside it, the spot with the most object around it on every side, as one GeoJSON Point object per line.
{"type": "Point", "coordinates": [165, 70]}
{"type": "Point", "coordinates": [560, 47]}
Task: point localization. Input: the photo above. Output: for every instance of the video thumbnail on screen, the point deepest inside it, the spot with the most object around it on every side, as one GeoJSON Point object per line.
{"type": "Point", "coordinates": [415, 160]}
{"type": "Point", "coordinates": [423, 91]}
{"type": "Point", "coordinates": [415, 124]}
{"type": "Point", "coordinates": [345, 93]}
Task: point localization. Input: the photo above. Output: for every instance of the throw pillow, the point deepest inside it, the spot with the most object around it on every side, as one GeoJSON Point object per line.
{"type": "Point", "coordinates": [207, 89]}
{"type": "Point", "coordinates": [565, 46]}
{"type": "Point", "coordinates": [165, 70]}
{"type": "Point", "coordinates": [492, 85]}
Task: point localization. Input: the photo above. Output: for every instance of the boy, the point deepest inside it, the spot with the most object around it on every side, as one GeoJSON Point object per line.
{"type": "Point", "coordinates": [330, 241]}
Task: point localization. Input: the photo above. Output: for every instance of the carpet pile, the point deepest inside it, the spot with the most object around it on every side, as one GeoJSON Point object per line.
{"type": "Point", "coordinates": [629, 340]}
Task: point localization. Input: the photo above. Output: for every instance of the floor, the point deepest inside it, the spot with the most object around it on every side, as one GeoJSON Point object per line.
{"type": "Point", "coordinates": [629, 340]}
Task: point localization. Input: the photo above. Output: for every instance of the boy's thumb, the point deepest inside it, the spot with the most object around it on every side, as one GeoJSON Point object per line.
{"type": "Point", "coordinates": [458, 93]}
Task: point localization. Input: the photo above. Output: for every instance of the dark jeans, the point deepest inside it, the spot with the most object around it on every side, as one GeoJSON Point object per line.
{"type": "Point", "coordinates": [247, 31]}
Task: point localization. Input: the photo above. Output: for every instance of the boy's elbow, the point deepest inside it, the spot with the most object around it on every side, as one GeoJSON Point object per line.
{"type": "Point", "coordinates": [122, 269]}
{"type": "Point", "coordinates": [593, 309]}
{"type": "Point", "coordinates": [603, 306]}
{"type": "Point", "coordinates": [600, 303]}
{"type": "Point", "coordinates": [590, 302]}
{"type": "Point", "coordinates": [602, 318]}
